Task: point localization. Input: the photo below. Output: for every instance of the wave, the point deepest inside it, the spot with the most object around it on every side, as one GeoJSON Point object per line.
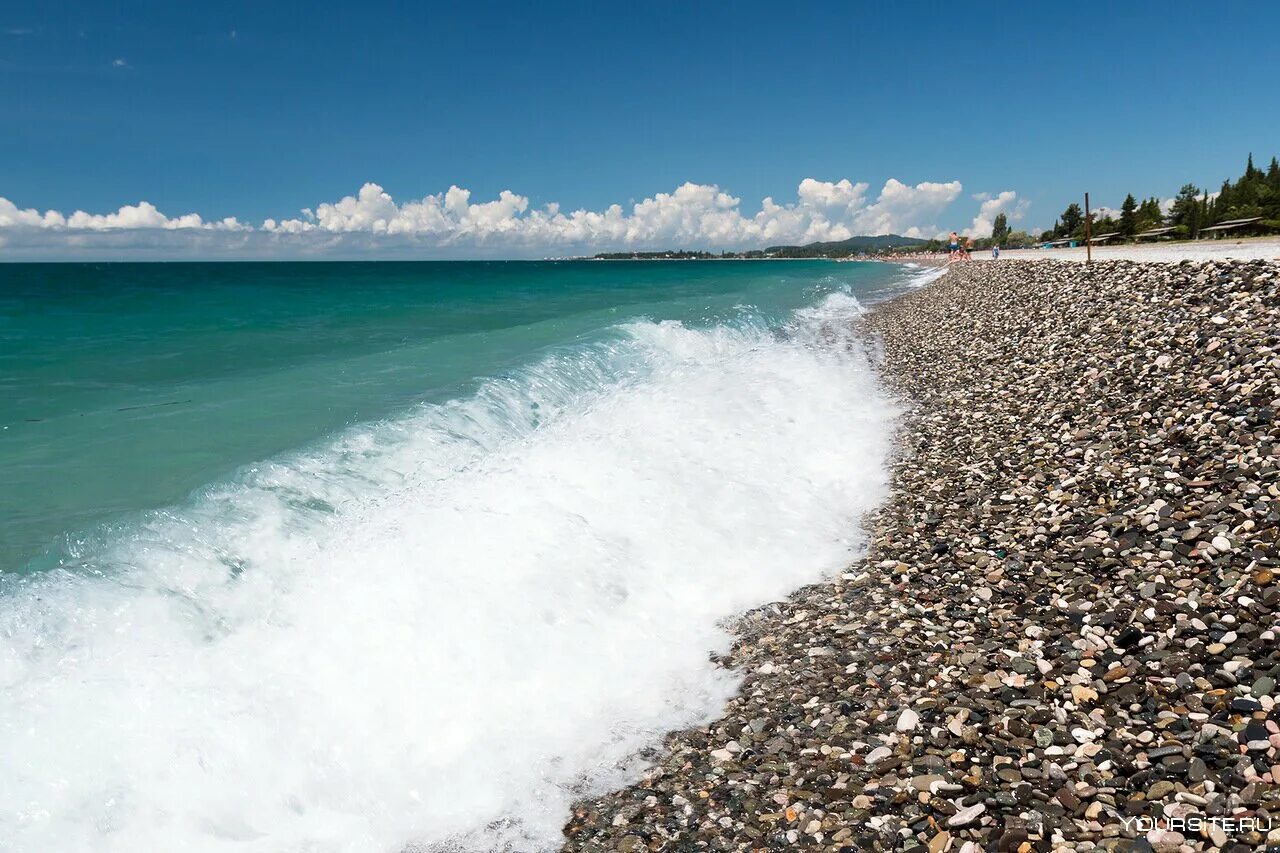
{"type": "Point", "coordinates": [441, 629]}
{"type": "Point", "coordinates": [921, 276]}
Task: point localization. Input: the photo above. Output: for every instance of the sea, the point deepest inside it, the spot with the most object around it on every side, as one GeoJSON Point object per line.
{"type": "Point", "coordinates": [401, 556]}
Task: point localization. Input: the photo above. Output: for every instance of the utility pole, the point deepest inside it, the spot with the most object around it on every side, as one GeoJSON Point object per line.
{"type": "Point", "coordinates": [1088, 231]}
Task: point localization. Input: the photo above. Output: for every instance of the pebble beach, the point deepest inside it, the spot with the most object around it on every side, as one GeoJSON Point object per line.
{"type": "Point", "coordinates": [1063, 633]}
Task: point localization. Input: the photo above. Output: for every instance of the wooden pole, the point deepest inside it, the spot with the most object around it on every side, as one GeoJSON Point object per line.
{"type": "Point", "coordinates": [1088, 231]}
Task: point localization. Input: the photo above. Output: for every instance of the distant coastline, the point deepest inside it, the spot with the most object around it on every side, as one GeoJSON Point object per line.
{"type": "Point", "coordinates": [655, 256]}
{"type": "Point", "coordinates": [1259, 247]}
{"type": "Point", "coordinates": [853, 247]}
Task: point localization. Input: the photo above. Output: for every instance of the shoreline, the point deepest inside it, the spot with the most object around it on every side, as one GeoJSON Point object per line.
{"type": "Point", "coordinates": [1063, 635]}
{"type": "Point", "coordinates": [1243, 249]}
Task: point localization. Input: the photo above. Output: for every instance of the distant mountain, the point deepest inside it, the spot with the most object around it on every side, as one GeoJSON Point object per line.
{"type": "Point", "coordinates": [852, 246]}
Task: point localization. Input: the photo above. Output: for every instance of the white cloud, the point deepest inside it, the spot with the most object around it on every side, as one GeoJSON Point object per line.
{"type": "Point", "coordinates": [699, 214]}
{"type": "Point", "coordinates": [452, 223]}
{"type": "Point", "coordinates": [119, 63]}
{"type": "Point", "coordinates": [142, 215]}
{"type": "Point", "coordinates": [984, 222]}
{"type": "Point", "coordinates": [904, 209]}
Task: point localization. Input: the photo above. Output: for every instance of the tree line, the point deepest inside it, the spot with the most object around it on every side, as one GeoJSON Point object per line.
{"type": "Point", "coordinates": [1255, 193]}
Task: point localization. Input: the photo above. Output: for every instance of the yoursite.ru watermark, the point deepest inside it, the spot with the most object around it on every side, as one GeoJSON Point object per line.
{"type": "Point", "coordinates": [1195, 824]}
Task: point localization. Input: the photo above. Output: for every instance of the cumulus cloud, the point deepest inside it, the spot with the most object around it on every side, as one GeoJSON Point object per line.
{"type": "Point", "coordinates": [452, 222]}
{"type": "Point", "coordinates": [984, 222]}
{"type": "Point", "coordinates": [694, 213]}
{"type": "Point", "coordinates": [131, 216]}
{"type": "Point", "coordinates": [903, 209]}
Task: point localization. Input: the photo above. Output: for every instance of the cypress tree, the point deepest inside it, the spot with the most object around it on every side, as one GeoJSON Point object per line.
{"type": "Point", "coordinates": [1185, 212]}
{"type": "Point", "coordinates": [1129, 216]}
{"type": "Point", "coordinates": [1245, 193]}
{"type": "Point", "coordinates": [1226, 200]}
{"type": "Point", "coordinates": [1000, 229]}
{"type": "Point", "coordinates": [1149, 214]}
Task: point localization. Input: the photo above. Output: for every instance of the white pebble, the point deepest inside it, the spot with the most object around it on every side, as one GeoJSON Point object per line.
{"type": "Point", "coordinates": [908, 721]}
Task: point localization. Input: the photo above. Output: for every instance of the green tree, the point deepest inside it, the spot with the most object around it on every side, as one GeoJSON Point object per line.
{"type": "Point", "coordinates": [1224, 202]}
{"type": "Point", "coordinates": [1018, 240]}
{"type": "Point", "coordinates": [1072, 219]}
{"type": "Point", "coordinates": [1270, 194]}
{"type": "Point", "coordinates": [1150, 215]}
{"type": "Point", "coordinates": [1000, 230]}
{"type": "Point", "coordinates": [1185, 213]}
{"type": "Point", "coordinates": [1129, 216]}
{"type": "Point", "coordinates": [1256, 193]}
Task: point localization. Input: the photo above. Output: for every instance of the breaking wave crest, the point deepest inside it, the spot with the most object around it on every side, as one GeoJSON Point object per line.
{"type": "Point", "coordinates": [437, 631]}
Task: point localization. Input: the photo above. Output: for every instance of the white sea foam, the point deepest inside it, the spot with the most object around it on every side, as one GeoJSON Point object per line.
{"type": "Point", "coordinates": [444, 628]}
{"type": "Point", "coordinates": [921, 276]}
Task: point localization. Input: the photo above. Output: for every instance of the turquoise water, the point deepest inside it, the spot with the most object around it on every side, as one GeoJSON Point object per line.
{"type": "Point", "coordinates": [360, 558]}
{"type": "Point", "coordinates": [123, 387]}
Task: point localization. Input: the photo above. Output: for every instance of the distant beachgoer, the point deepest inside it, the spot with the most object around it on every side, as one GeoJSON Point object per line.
{"type": "Point", "coordinates": [953, 246]}
{"type": "Point", "coordinates": [995, 253]}
{"type": "Point", "coordinates": [968, 247]}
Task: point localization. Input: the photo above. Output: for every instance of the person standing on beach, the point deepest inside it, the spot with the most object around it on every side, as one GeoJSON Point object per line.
{"type": "Point", "coordinates": [953, 246]}
{"type": "Point", "coordinates": [968, 247]}
{"type": "Point", "coordinates": [995, 251]}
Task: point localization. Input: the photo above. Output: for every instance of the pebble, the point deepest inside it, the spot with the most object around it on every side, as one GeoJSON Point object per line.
{"type": "Point", "coordinates": [1067, 612]}
{"type": "Point", "coordinates": [966, 816]}
{"type": "Point", "coordinates": [908, 720]}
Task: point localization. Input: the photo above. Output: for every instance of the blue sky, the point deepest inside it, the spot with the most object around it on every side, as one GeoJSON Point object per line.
{"type": "Point", "coordinates": [260, 110]}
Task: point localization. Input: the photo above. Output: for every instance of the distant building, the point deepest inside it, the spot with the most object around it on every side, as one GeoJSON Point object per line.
{"type": "Point", "coordinates": [1252, 225]}
{"type": "Point", "coordinates": [1154, 233]}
